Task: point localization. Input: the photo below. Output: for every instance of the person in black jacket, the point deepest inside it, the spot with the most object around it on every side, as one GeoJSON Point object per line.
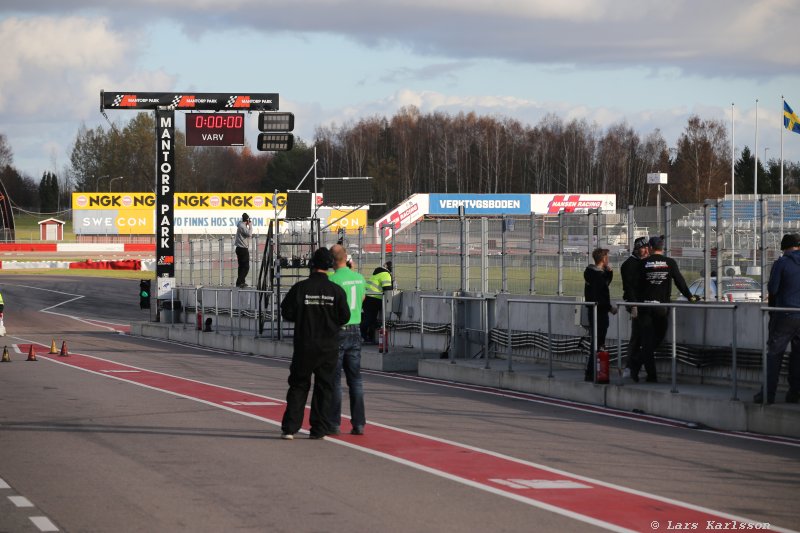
{"type": "Point", "coordinates": [598, 277]}
{"type": "Point", "coordinates": [656, 275]}
{"type": "Point", "coordinates": [630, 279]}
{"type": "Point", "coordinates": [318, 307]}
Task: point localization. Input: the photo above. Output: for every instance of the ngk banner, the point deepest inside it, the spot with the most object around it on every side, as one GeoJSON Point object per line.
{"type": "Point", "coordinates": [113, 213]}
{"type": "Point", "coordinates": [195, 213]}
{"type": "Point", "coordinates": [552, 204]}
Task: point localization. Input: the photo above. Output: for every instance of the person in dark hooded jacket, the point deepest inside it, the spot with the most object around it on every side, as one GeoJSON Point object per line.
{"type": "Point", "coordinates": [784, 291]}
{"type": "Point", "coordinates": [598, 277]}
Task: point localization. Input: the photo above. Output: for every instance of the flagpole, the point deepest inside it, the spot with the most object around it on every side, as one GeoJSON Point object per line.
{"type": "Point", "coordinates": [783, 104]}
{"type": "Point", "coordinates": [733, 190]}
{"type": "Point", "coordinates": [755, 194]}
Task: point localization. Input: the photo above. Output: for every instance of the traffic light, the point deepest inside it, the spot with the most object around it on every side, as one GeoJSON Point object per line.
{"type": "Point", "coordinates": [276, 127]}
{"type": "Point", "coordinates": [144, 294]}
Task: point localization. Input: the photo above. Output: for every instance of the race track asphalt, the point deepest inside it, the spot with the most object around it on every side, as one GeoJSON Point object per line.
{"type": "Point", "coordinates": [93, 453]}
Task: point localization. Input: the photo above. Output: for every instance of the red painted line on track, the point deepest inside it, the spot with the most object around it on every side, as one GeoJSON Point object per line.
{"type": "Point", "coordinates": [588, 500]}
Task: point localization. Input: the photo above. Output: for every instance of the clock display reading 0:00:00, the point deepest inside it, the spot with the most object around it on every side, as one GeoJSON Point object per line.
{"type": "Point", "coordinates": [217, 121]}
{"type": "Point", "coordinates": [214, 129]}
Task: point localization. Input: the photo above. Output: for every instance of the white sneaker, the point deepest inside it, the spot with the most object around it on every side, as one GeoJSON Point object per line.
{"type": "Point", "coordinates": [287, 436]}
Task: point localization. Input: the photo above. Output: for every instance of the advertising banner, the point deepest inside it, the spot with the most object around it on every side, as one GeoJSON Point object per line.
{"type": "Point", "coordinates": [480, 204]}
{"type": "Point", "coordinates": [552, 204]}
{"type": "Point", "coordinates": [347, 220]}
{"type": "Point", "coordinates": [403, 215]}
{"type": "Point", "coordinates": [194, 213]}
{"type": "Point", "coordinates": [113, 213]}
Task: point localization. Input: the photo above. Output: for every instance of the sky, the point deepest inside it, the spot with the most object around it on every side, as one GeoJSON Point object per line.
{"type": "Point", "coordinates": [649, 63]}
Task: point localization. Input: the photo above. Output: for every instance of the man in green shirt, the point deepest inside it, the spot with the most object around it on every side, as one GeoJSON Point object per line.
{"type": "Point", "coordinates": [349, 339]}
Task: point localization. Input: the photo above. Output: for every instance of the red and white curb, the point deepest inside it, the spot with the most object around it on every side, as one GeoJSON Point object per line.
{"type": "Point", "coordinates": [581, 498]}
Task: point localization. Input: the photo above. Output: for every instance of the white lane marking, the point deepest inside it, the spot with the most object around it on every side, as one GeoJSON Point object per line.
{"type": "Point", "coordinates": [43, 523]}
{"type": "Point", "coordinates": [252, 403]}
{"type": "Point", "coordinates": [540, 483]}
{"type": "Point", "coordinates": [20, 501]}
{"type": "Point", "coordinates": [120, 371]}
{"type": "Point", "coordinates": [431, 470]}
{"type": "Point", "coordinates": [4, 485]}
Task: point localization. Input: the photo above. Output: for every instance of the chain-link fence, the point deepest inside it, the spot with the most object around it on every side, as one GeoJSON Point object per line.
{"type": "Point", "coordinates": [538, 254]}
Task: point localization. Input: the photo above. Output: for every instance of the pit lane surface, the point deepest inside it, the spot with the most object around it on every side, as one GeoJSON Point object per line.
{"type": "Point", "coordinates": [93, 452]}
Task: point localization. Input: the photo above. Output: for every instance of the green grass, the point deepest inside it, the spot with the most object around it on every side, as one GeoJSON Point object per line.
{"type": "Point", "coordinates": [27, 227]}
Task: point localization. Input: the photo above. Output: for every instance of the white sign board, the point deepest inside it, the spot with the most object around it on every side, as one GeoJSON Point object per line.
{"type": "Point", "coordinates": [657, 178]}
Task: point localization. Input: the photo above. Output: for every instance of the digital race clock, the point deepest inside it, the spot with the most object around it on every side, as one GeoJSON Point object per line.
{"type": "Point", "coordinates": [214, 129]}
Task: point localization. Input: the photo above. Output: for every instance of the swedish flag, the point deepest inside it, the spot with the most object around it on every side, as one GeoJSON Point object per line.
{"type": "Point", "coordinates": [790, 121]}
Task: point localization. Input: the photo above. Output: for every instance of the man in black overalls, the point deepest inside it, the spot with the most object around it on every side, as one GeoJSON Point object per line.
{"type": "Point", "coordinates": [318, 307]}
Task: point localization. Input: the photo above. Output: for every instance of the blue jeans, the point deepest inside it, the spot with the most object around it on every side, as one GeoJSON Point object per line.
{"type": "Point", "coordinates": [350, 362]}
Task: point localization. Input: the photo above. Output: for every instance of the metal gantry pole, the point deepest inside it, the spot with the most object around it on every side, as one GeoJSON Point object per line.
{"type": "Point", "coordinates": [589, 234]}
{"type": "Point", "coordinates": [707, 253]}
{"type": "Point", "coordinates": [631, 232]}
{"type": "Point", "coordinates": [464, 250]}
{"type": "Point", "coordinates": [560, 253]}
{"type": "Point", "coordinates": [720, 225]}
{"type": "Point", "coordinates": [438, 256]}
{"type": "Point", "coordinates": [503, 277]}
{"type": "Point", "coordinates": [418, 239]}
{"type": "Point", "coordinates": [532, 259]}
{"type": "Point", "coordinates": [667, 228]}
{"type": "Point", "coordinates": [484, 255]}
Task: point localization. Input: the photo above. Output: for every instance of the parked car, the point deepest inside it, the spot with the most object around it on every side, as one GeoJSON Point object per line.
{"type": "Point", "coordinates": [734, 289]}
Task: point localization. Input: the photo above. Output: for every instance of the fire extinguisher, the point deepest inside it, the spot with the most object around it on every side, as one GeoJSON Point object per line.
{"type": "Point", "coordinates": [381, 340]}
{"type": "Point", "coordinates": [199, 314]}
{"type": "Point", "coordinates": [602, 366]}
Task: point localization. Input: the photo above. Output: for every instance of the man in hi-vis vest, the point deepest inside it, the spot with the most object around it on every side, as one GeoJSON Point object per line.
{"type": "Point", "coordinates": [377, 284]}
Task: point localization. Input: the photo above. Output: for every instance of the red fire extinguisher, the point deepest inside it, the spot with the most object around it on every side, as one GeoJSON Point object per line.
{"type": "Point", "coordinates": [199, 314]}
{"type": "Point", "coordinates": [381, 340]}
{"type": "Point", "coordinates": [602, 366]}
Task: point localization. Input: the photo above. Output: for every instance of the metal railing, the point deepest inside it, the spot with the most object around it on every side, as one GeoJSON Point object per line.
{"type": "Point", "coordinates": [550, 303]}
{"type": "Point", "coordinates": [453, 299]}
{"type": "Point", "coordinates": [672, 306]}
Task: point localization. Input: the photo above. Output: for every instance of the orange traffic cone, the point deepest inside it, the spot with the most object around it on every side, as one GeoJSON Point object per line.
{"type": "Point", "coordinates": [6, 356]}
{"type": "Point", "coordinates": [53, 348]}
{"type": "Point", "coordinates": [63, 352]}
{"type": "Point", "coordinates": [32, 354]}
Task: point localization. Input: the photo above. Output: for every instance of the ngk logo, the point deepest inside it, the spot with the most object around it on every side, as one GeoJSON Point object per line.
{"type": "Point", "coordinates": [105, 201]}
{"type": "Point", "coordinates": [258, 201]}
{"type": "Point", "coordinates": [214, 201]}
{"type": "Point", "coordinates": [81, 201]}
{"type": "Point", "coordinates": [127, 201]}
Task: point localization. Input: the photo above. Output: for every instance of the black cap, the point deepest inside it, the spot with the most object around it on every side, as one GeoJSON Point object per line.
{"type": "Point", "coordinates": [322, 259]}
{"type": "Point", "coordinates": [790, 240]}
{"type": "Point", "coordinates": [657, 243]}
{"type": "Point", "coordinates": [641, 242]}
{"type": "Point", "coordinates": [245, 217]}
